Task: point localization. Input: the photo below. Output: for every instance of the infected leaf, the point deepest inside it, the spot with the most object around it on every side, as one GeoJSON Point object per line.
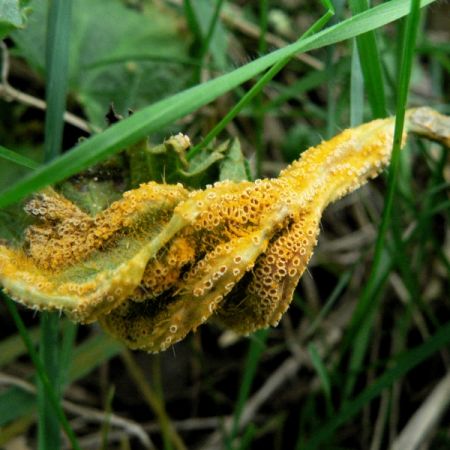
{"type": "Point", "coordinates": [162, 260]}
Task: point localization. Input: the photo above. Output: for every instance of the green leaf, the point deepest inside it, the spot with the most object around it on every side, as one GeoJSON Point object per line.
{"type": "Point", "coordinates": [167, 162]}
{"type": "Point", "coordinates": [13, 222]}
{"type": "Point", "coordinates": [10, 13]}
{"type": "Point", "coordinates": [95, 189]}
{"type": "Point", "coordinates": [11, 16]}
{"type": "Point", "coordinates": [202, 167]}
{"type": "Point", "coordinates": [233, 165]}
{"type": "Point", "coordinates": [117, 55]}
{"type": "Point", "coordinates": [90, 195]}
{"type": "Point", "coordinates": [159, 162]}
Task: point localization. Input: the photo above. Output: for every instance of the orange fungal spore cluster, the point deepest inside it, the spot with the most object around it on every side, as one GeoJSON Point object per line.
{"type": "Point", "coordinates": [162, 260]}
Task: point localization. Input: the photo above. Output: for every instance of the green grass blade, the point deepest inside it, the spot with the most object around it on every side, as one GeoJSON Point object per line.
{"type": "Point", "coordinates": [263, 24]}
{"type": "Point", "coordinates": [16, 158]}
{"type": "Point", "coordinates": [409, 38]}
{"type": "Point", "coordinates": [247, 437]}
{"type": "Point", "coordinates": [403, 365]}
{"type": "Point", "coordinates": [206, 41]}
{"type": "Point", "coordinates": [356, 90]}
{"type": "Point", "coordinates": [362, 319]}
{"type": "Point", "coordinates": [41, 372]}
{"type": "Point", "coordinates": [257, 347]}
{"type": "Point", "coordinates": [359, 349]}
{"type": "Point", "coordinates": [331, 100]}
{"type": "Point", "coordinates": [409, 42]}
{"type": "Point", "coordinates": [258, 103]}
{"type": "Point", "coordinates": [164, 112]}
{"type": "Point", "coordinates": [322, 373]}
{"type": "Point", "coordinates": [306, 83]}
{"type": "Point", "coordinates": [370, 64]}
{"type": "Point", "coordinates": [69, 334]}
{"type": "Point", "coordinates": [191, 20]}
{"type": "Point", "coordinates": [57, 62]}
{"type": "Point", "coordinates": [106, 427]}
{"type": "Point", "coordinates": [343, 282]}
{"type": "Point", "coordinates": [48, 424]}
{"type": "Point", "coordinates": [211, 28]}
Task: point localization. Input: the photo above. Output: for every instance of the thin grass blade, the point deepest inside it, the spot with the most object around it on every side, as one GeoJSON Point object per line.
{"type": "Point", "coordinates": [356, 90]}
{"type": "Point", "coordinates": [42, 374]}
{"type": "Point", "coordinates": [362, 319]}
{"type": "Point", "coordinates": [257, 347]}
{"type": "Point", "coordinates": [18, 159]}
{"type": "Point", "coordinates": [370, 64]}
{"type": "Point", "coordinates": [57, 62]}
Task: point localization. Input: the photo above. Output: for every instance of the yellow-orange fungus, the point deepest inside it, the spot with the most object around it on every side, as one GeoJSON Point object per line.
{"type": "Point", "coordinates": [162, 260]}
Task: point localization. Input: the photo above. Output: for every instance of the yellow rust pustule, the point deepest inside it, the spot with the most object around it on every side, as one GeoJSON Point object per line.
{"type": "Point", "coordinates": [163, 260]}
